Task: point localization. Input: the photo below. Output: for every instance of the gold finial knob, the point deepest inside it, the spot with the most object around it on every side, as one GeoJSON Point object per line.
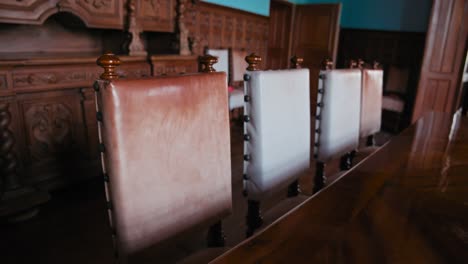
{"type": "Point", "coordinates": [207, 62]}
{"type": "Point", "coordinates": [327, 64]}
{"type": "Point", "coordinates": [253, 60]}
{"type": "Point", "coordinates": [108, 61]}
{"type": "Point", "coordinates": [361, 64]}
{"type": "Point", "coordinates": [352, 64]}
{"type": "Point", "coordinates": [296, 62]}
{"type": "Point", "coordinates": [376, 65]}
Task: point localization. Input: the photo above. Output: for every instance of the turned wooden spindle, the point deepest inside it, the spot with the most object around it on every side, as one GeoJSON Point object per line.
{"type": "Point", "coordinates": [207, 62]}
{"type": "Point", "coordinates": [108, 61]}
{"type": "Point", "coordinates": [8, 163]}
{"type": "Point", "coordinates": [327, 64]}
{"type": "Point", "coordinates": [296, 62]}
{"type": "Point", "coordinates": [253, 60]}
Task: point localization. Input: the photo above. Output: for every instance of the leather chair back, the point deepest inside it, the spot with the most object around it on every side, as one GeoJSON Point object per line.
{"type": "Point", "coordinates": [167, 155]}
{"type": "Point", "coordinates": [338, 113]}
{"type": "Point", "coordinates": [278, 145]}
{"type": "Point", "coordinates": [371, 102]}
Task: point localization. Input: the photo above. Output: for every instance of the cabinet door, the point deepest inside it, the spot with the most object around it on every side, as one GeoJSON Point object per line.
{"type": "Point", "coordinates": [156, 15]}
{"type": "Point", "coordinates": [439, 84]}
{"type": "Point", "coordinates": [26, 11]}
{"type": "Point", "coordinates": [54, 135]}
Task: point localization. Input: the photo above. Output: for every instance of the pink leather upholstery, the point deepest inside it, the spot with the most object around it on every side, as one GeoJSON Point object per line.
{"type": "Point", "coordinates": [167, 155]}
{"type": "Point", "coordinates": [371, 102]}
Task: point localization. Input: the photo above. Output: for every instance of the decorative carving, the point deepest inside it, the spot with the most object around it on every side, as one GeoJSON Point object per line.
{"type": "Point", "coordinates": [8, 161]}
{"type": "Point", "coordinates": [50, 130]}
{"type": "Point", "coordinates": [136, 47]}
{"type": "Point", "coordinates": [109, 62]}
{"type": "Point", "coordinates": [98, 4]}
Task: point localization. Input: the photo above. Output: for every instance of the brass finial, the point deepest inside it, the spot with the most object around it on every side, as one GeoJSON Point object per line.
{"type": "Point", "coordinates": [352, 64]}
{"type": "Point", "coordinates": [376, 65]}
{"type": "Point", "coordinates": [361, 64]}
{"type": "Point", "coordinates": [109, 62]}
{"type": "Point", "coordinates": [327, 64]}
{"type": "Point", "coordinates": [296, 62]}
{"type": "Point", "coordinates": [207, 62]}
{"type": "Point", "coordinates": [253, 60]}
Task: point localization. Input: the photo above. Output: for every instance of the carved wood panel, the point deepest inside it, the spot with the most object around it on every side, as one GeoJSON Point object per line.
{"type": "Point", "coordinates": [156, 15]}
{"type": "Point", "coordinates": [54, 135]}
{"type": "Point", "coordinates": [439, 85]}
{"type": "Point", "coordinates": [173, 65]}
{"type": "Point", "coordinates": [216, 26]}
{"type": "Point", "coordinates": [95, 13]}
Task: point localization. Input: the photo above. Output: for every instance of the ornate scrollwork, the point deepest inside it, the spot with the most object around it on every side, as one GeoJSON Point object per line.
{"type": "Point", "coordinates": [98, 3]}
{"type": "Point", "coordinates": [50, 128]}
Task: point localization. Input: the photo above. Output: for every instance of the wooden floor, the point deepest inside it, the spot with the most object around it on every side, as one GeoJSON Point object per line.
{"type": "Point", "coordinates": [73, 227]}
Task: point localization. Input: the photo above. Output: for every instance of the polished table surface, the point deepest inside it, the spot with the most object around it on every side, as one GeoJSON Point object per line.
{"type": "Point", "coordinates": [407, 203]}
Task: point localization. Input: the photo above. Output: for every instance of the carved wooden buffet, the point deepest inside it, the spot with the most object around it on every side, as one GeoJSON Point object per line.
{"type": "Point", "coordinates": [48, 65]}
{"type": "Point", "coordinates": [53, 115]}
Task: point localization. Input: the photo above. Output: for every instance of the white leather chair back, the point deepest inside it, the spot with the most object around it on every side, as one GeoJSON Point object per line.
{"type": "Point", "coordinates": [338, 113]}
{"type": "Point", "coordinates": [371, 102]}
{"type": "Point", "coordinates": [223, 59]}
{"type": "Point", "coordinates": [278, 106]}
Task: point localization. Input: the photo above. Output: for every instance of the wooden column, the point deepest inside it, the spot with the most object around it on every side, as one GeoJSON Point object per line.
{"type": "Point", "coordinates": [17, 202]}
{"type": "Point", "coordinates": [439, 85]}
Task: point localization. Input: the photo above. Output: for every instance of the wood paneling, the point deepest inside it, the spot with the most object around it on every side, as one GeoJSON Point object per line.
{"type": "Point", "coordinates": [315, 37]}
{"type": "Point", "coordinates": [439, 84]}
{"type": "Point", "coordinates": [280, 32]}
{"type": "Point", "coordinates": [216, 26]}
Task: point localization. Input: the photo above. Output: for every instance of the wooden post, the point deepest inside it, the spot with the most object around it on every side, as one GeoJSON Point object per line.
{"type": "Point", "coordinates": [108, 61]}
{"type": "Point", "coordinates": [206, 63]}
{"type": "Point", "coordinates": [253, 60]}
{"type": "Point", "coordinates": [294, 189]}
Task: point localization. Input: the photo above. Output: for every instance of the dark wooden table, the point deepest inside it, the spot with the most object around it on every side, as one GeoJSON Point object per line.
{"type": "Point", "coordinates": [407, 203]}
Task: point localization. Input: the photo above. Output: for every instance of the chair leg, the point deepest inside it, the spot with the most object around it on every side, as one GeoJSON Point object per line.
{"type": "Point", "coordinates": [254, 217]}
{"type": "Point", "coordinates": [216, 236]}
{"type": "Point", "coordinates": [370, 141]}
{"type": "Point", "coordinates": [294, 189]}
{"type": "Point", "coordinates": [320, 178]}
{"type": "Point", "coordinates": [346, 161]}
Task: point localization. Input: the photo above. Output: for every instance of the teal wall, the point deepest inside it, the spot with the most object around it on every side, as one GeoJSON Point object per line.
{"type": "Point", "coordinates": [261, 7]}
{"type": "Point", "coordinates": [394, 15]}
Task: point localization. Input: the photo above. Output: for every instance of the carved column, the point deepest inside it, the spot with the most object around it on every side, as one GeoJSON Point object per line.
{"type": "Point", "coordinates": [184, 48]}
{"type": "Point", "coordinates": [17, 202]}
{"type": "Point", "coordinates": [136, 47]}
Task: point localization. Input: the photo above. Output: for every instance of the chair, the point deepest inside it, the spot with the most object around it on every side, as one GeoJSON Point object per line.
{"type": "Point", "coordinates": [371, 106]}
{"type": "Point", "coordinates": [393, 101]}
{"type": "Point", "coordinates": [276, 133]}
{"type": "Point", "coordinates": [165, 157]}
{"type": "Point", "coordinates": [337, 118]}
